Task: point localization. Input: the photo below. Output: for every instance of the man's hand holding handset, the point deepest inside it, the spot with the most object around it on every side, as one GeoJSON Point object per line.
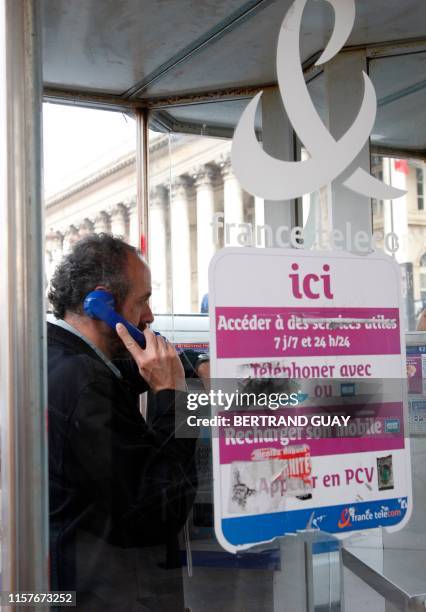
{"type": "Point", "coordinates": [158, 363]}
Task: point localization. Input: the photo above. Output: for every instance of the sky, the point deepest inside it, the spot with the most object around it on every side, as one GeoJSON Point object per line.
{"type": "Point", "coordinates": [77, 141]}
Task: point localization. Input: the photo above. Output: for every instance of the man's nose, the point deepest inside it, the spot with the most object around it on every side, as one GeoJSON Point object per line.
{"type": "Point", "coordinates": [147, 316]}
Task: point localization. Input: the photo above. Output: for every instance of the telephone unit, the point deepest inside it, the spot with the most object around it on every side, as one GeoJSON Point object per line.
{"type": "Point", "coordinates": [100, 304]}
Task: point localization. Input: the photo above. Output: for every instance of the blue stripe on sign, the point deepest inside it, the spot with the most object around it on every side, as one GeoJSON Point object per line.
{"type": "Point", "coordinates": [332, 519]}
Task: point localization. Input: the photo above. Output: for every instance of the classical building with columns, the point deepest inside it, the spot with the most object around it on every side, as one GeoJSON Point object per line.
{"type": "Point", "coordinates": [191, 180]}
{"type": "Point", "coordinates": [104, 201]}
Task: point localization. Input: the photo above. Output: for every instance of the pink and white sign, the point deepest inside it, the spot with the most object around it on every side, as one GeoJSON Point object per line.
{"type": "Point", "coordinates": [323, 319]}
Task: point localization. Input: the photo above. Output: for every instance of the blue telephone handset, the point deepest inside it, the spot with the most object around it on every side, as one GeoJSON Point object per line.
{"type": "Point", "coordinates": [100, 304]}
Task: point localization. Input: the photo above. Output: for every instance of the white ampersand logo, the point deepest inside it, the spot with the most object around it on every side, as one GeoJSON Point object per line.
{"type": "Point", "coordinates": [273, 179]}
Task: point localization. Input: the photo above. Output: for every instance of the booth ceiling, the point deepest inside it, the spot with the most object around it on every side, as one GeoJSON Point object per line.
{"type": "Point", "coordinates": [145, 50]}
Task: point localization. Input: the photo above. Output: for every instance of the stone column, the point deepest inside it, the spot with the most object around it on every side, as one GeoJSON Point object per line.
{"type": "Point", "coordinates": [204, 178]}
{"type": "Point", "coordinates": [233, 203]}
{"type": "Point", "coordinates": [48, 267]}
{"type": "Point", "coordinates": [54, 242]}
{"type": "Point", "coordinates": [70, 237]}
{"type": "Point", "coordinates": [120, 221]}
{"type": "Point", "coordinates": [86, 228]}
{"type": "Point", "coordinates": [102, 223]}
{"type": "Point", "coordinates": [55, 246]}
{"type": "Point", "coordinates": [157, 245]}
{"type": "Point", "coordinates": [134, 238]}
{"type": "Point", "coordinates": [181, 246]}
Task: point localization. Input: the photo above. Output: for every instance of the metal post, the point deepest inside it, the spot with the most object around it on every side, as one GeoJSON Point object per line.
{"type": "Point", "coordinates": [343, 76]}
{"type": "Point", "coordinates": [311, 576]}
{"type": "Point", "coordinates": [24, 481]}
{"type": "Point", "coordinates": [142, 175]}
{"type": "Point", "coordinates": [142, 191]}
{"type": "Point", "coordinates": [278, 140]}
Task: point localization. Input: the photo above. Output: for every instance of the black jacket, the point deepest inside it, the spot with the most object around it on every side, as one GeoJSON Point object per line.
{"type": "Point", "coordinates": [118, 487]}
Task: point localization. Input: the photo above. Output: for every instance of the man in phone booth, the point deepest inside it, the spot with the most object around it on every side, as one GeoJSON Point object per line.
{"type": "Point", "coordinates": [120, 488]}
